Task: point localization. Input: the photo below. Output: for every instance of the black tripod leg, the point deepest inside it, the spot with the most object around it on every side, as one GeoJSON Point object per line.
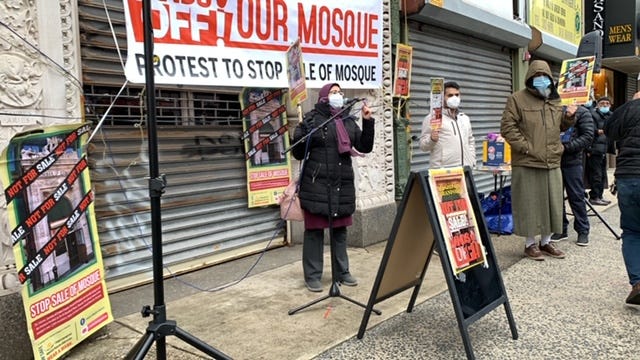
{"type": "Point", "coordinates": [603, 220]}
{"type": "Point", "coordinates": [140, 350]}
{"type": "Point", "coordinates": [200, 345]}
{"type": "Point", "coordinates": [359, 303]}
{"type": "Point", "coordinates": [293, 311]}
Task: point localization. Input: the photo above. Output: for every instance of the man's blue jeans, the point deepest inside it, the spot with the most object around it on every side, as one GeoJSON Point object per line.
{"type": "Point", "coordinates": [572, 177]}
{"type": "Point", "coordinates": [629, 203]}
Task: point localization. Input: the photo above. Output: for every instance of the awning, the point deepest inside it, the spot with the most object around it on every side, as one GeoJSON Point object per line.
{"type": "Point", "coordinates": [461, 17]}
{"type": "Point", "coordinates": [625, 64]}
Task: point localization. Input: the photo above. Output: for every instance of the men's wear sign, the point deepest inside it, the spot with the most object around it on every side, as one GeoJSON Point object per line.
{"type": "Point", "coordinates": [226, 43]}
{"type": "Point", "coordinates": [54, 237]}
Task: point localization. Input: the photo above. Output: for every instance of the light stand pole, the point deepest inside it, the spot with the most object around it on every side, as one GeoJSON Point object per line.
{"type": "Point", "coordinates": [159, 327]}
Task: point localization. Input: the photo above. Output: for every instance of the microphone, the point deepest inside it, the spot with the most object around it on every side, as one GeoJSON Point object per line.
{"type": "Point", "coordinates": [351, 101]}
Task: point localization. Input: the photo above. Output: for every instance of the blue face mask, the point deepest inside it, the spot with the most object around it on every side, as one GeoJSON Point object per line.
{"type": "Point", "coordinates": [541, 82]}
{"type": "Point", "coordinates": [604, 109]}
{"type": "Point", "coordinates": [588, 103]}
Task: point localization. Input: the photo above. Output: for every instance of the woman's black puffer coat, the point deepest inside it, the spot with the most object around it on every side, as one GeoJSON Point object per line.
{"type": "Point", "coordinates": [324, 165]}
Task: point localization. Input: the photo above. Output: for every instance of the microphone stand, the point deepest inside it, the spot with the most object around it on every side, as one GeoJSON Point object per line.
{"type": "Point", "coordinates": [334, 291]}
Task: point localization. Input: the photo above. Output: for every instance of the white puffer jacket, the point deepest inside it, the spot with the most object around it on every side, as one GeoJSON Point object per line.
{"type": "Point", "coordinates": [456, 145]}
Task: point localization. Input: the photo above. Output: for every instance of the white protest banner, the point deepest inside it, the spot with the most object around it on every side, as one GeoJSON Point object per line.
{"type": "Point", "coordinates": [244, 42]}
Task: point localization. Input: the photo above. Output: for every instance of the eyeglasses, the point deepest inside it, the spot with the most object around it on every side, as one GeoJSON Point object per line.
{"type": "Point", "coordinates": [338, 92]}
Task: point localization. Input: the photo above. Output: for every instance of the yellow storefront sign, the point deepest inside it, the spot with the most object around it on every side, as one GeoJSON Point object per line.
{"type": "Point", "coordinates": [561, 18]}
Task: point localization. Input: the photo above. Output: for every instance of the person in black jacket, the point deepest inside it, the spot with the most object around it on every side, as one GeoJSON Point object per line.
{"type": "Point", "coordinates": [596, 164]}
{"type": "Point", "coordinates": [624, 127]}
{"type": "Point", "coordinates": [327, 190]}
{"type": "Point", "coordinates": [575, 141]}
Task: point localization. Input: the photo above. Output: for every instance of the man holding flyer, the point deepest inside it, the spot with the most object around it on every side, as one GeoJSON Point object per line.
{"type": "Point", "coordinates": [452, 142]}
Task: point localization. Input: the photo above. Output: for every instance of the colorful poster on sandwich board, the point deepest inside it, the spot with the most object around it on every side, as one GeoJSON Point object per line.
{"type": "Point", "coordinates": [457, 219]}
{"type": "Point", "coordinates": [264, 123]}
{"type": "Point", "coordinates": [55, 239]}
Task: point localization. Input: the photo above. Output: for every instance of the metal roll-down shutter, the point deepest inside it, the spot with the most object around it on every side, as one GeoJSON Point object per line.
{"type": "Point", "coordinates": [481, 68]}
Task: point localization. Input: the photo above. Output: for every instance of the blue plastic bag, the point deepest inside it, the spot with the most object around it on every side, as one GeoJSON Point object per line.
{"type": "Point", "coordinates": [497, 212]}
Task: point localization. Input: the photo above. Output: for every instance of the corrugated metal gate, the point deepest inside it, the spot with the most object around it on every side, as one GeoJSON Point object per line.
{"type": "Point", "coordinates": [205, 218]}
{"type": "Point", "coordinates": [483, 70]}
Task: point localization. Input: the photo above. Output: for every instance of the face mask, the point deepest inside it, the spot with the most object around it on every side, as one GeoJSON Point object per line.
{"type": "Point", "coordinates": [604, 109]}
{"type": "Point", "coordinates": [453, 102]}
{"type": "Point", "coordinates": [336, 100]}
{"type": "Point", "coordinates": [541, 82]}
{"type": "Point", "coordinates": [588, 103]}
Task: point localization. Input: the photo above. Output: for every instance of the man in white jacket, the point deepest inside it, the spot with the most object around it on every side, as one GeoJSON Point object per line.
{"type": "Point", "coordinates": [452, 144]}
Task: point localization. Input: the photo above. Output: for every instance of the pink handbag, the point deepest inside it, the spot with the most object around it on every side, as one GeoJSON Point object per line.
{"type": "Point", "coordinates": [290, 203]}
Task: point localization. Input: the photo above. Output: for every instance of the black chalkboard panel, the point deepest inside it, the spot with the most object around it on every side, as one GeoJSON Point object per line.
{"type": "Point", "coordinates": [419, 227]}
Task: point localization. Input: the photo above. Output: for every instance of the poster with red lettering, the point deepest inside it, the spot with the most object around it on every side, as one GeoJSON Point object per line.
{"type": "Point", "coordinates": [55, 238]}
{"type": "Point", "coordinates": [265, 125]}
{"type": "Point", "coordinates": [436, 101]}
{"type": "Point", "coordinates": [226, 43]}
{"type": "Point", "coordinates": [457, 219]}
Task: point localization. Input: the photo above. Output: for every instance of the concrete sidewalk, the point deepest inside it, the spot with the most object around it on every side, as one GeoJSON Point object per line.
{"type": "Point", "coordinates": [563, 309]}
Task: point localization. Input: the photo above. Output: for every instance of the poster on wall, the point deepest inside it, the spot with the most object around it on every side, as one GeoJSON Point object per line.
{"type": "Point", "coordinates": [295, 73]}
{"type": "Point", "coordinates": [457, 219]}
{"type": "Point", "coordinates": [402, 79]}
{"type": "Point", "coordinates": [264, 124]}
{"type": "Point", "coordinates": [54, 236]}
{"type": "Point", "coordinates": [574, 85]}
{"type": "Point", "coordinates": [225, 43]}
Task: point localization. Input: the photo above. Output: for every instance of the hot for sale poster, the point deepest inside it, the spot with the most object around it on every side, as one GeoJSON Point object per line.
{"type": "Point", "coordinates": [54, 235]}
{"type": "Point", "coordinates": [457, 219]}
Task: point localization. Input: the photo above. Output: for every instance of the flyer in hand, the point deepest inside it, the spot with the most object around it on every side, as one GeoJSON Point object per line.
{"type": "Point", "coordinates": [437, 92]}
{"type": "Point", "coordinates": [574, 85]}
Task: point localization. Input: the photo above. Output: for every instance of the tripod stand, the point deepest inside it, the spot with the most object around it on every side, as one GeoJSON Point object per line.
{"type": "Point", "coordinates": [334, 291]}
{"type": "Point", "coordinates": [586, 200]}
{"type": "Point", "coordinates": [597, 214]}
{"type": "Point", "coordinates": [159, 327]}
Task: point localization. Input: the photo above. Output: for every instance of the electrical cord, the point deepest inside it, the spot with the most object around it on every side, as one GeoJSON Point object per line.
{"type": "Point", "coordinates": [61, 69]}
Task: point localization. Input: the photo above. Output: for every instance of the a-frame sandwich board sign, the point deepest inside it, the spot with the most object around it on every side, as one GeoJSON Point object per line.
{"type": "Point", "coordinates": [440, 209]}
